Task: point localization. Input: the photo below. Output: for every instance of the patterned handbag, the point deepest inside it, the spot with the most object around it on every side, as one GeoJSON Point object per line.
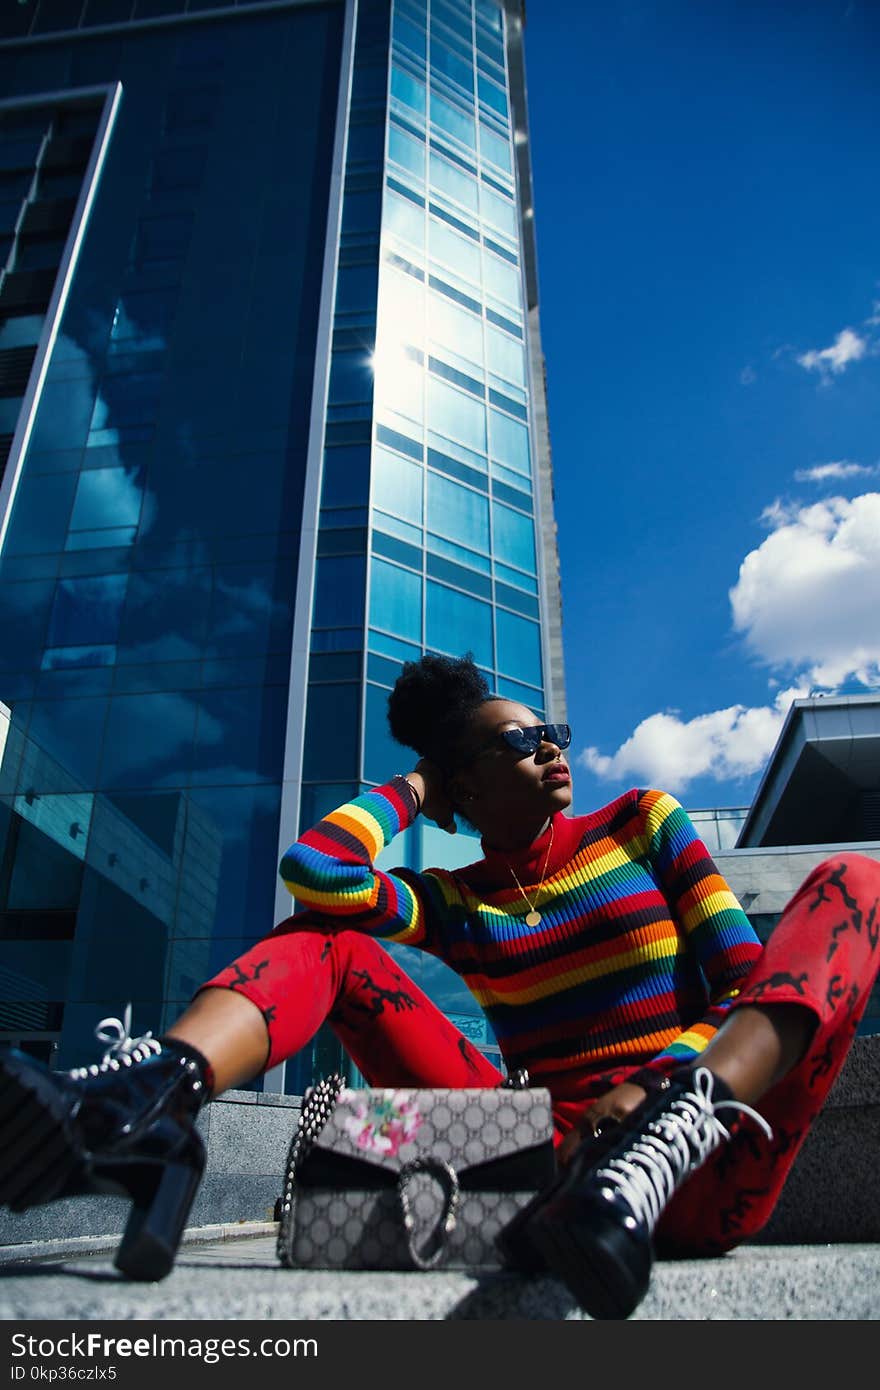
{"type": "Point", "coordinates": [408, 1178]}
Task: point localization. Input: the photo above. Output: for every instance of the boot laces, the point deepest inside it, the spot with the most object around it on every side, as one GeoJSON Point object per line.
{"type": "Point", "coordinates": [122, 1049]}
{"type": "Point", "coordinates": [678, 1141]}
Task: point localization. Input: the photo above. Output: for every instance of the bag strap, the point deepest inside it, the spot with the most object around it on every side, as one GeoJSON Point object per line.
{"type": "Point", "coordinates": [318, 1104]}
{"type": "Point", "coordinates": [448, 1180]}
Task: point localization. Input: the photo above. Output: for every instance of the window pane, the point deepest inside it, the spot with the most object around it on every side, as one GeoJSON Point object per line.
{"type": "Point", "coordinates": [407, 90]}
{"type": "Point", "coordinates": [40, 514]}
{"type": "Point", "coordinates": [346, 477]}
{"type": "Point", "coordinates": [382, 753]}
{"type": "Point", "coordinates": [500, 212]}
{"type": "Point", "coordinates": [400, 381]}
{"type": "Point", "coordinates": [251, 612]}
{"type": "Point", "coordinates": [494, 147]}
{"type": "Point", "coordinates": [23, 612]}
{"type": "Point", "coordinates": [406, 151]}
{"type": "Point", "coordinates": [148, 740]}
{"type": "Point", "coordinates": [519, 647]}
{"type": "Point", "coordinates": [393, 526]}
{"type": "Point", "coordinates": [504, 356]}
{"type": "Point", "coordinates": [244, 822]}
{"type": "Point", "coordinates": [454, 329]}
{"type": "Point", "coordinates": [87, 611]}
{"type": "Point", "coordinates": [459, 252]}
{"type": "Point", "coordinates": [106, 497]}
{"type": "Point", "coordinates": [390, 646]}
{"type": "Point", "coordinates": [339, 588]}
{"type": "Point", "coordinates": [408, 35]}
{"type": "Point", "coordinates": [513, 537]}
{"type": "Point", "coordinates": [404, 218]}
{"type": "Point", "coordinates": [402, 312]}
{"type": "Point", "coordinates": [438, 546]}
{"type": "Point", "coordinates": [356, 287]}
{"type": "Point", "coordinates": [240, 736]}
{"type": "Point", "coordinates": [166, 615]}
{"type": "Point", "coordinates": [396, 600]}
{"type": "Point", "coordinates": [502, 279]}
{"type": "Point", "coordinates": [69, 734]}
{"type": "Point", "coordinates": [452, 65]}
{"type": "Point", "coordinates": [141, 320]}
{"type": "Point", "coordinates": [453, 120]}
{"type": "Point", "coordinates": [493, 96]}
{"type": "Point", "coordinates": [457, 512]}
{"type": "Point", "coordinates": [509, 442]}
{"type": "Point", "coordinates": [457, 415]}
{"type": "Point", "coordinates": [331, 708]}
{"type": "Point", "coordinates": [397, 485]}
{"type": "Point", "coordinates": [351, 378]}
{"type": "Point", "coordinates": [457, 623]}
{"type": "Point", "coordinates": [63, 416]}
{"type": "Point", "coordinates": [455, 183]}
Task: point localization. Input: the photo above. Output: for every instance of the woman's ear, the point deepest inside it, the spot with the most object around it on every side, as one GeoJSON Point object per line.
{"type": "Point", "coordinates": [461, 790]}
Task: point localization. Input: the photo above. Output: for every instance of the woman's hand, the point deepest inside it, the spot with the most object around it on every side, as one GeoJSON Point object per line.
{"type": "Point", "coordinates": [429, 783]}
{"type": "Point", "coordinates": [614, 1106]}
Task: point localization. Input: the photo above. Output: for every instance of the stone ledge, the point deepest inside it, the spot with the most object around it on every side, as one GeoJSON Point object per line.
{"type": "Point", "coordinates": [37, 1251]}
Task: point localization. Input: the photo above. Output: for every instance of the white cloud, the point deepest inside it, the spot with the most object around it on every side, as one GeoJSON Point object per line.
{"type": "Point", "coordinates": [748, 376]}
{"type": "Point", "coordinates": [806, 603]}
{"type": "Point", "coordinates": [839, 468]}
{"type": "Point", "coordinates": [808, 597]}
{"type": "Point", "coordinates": [847, 347]}
{"type": "Point", "coordinates": [669, 752]}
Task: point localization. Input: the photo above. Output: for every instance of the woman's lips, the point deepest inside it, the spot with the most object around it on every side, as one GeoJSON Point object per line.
{"type": "Point", "coordinates": [557, 774]}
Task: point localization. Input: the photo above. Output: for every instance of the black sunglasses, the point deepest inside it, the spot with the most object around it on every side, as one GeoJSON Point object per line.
{"type": "Point", "coordinates": [530, 739]}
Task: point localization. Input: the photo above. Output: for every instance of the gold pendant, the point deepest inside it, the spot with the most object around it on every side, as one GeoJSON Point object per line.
{"type": "Point", "coordinates": [533, 918]}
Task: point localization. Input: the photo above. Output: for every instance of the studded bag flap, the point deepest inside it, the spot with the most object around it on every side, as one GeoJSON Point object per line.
{"type": "Point", "coordinates": [407, 1178]}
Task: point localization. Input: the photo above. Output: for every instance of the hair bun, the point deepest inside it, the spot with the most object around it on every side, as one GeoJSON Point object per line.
{"type": "Point", "coordinates": [431, 700]}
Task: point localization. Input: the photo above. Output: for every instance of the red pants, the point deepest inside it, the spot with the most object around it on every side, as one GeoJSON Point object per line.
{"type": "Point", "coordinates": [822, 955]}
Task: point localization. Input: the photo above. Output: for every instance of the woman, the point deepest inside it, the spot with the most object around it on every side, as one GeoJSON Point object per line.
{"type": "Point", "coordinates": [610, 956]}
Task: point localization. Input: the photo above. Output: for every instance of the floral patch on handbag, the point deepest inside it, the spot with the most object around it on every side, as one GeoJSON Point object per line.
{"type": "Point", "coordinates": [380, 1121]}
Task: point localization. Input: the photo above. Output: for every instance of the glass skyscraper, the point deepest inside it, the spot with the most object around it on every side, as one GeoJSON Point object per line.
{"type": "Point", "coordinates": [273, 423]}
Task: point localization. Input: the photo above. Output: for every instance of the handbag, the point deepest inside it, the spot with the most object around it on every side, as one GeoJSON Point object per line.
{"type": "Point", "coordinates": [410, 1178]}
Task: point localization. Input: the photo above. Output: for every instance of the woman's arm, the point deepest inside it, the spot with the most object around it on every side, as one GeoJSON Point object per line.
{"type": "Point", "coordinates": [330, 869]}
{"type": "Point", "coordinates": [702, 903]}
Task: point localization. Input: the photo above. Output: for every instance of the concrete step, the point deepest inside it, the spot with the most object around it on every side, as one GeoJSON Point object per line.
{"type": "Point", "coordinates": [232, 1274]}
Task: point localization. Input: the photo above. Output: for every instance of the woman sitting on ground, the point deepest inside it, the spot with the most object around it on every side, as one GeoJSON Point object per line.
{"type": "Point", "coordinates": [610, 957]}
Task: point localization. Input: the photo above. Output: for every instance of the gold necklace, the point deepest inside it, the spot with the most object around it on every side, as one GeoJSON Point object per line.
{"type": "Point", "coordinates": [533, 916]}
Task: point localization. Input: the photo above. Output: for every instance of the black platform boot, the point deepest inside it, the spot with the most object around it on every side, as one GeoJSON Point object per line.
{"type": "Point", "coordinates": [124, 1126]}
{"type": "Point", "coordinates": [593, 1226]}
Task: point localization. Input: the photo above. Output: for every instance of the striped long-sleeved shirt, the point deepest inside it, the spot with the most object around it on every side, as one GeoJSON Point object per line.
{"type": "Point", "coordinates": [640, 948]}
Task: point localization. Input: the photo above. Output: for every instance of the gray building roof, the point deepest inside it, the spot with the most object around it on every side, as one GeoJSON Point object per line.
{"type": "Point", "coordinates": [822, 780]}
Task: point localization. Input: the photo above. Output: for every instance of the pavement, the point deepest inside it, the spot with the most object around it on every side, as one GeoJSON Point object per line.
{"type": "Point", "coordinates": [231, 1272]}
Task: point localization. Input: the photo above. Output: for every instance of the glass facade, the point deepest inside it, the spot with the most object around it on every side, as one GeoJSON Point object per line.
{"type": "Point", "coordinates": [276, 432]}
{"type": "Point", "coordinates": [148, 572]}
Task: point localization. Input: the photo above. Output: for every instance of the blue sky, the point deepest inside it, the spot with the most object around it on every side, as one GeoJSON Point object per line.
{"type": "Point", "coordinates": [707, 209]}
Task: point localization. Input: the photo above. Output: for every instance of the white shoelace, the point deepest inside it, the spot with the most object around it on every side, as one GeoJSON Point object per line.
{"type": "Point", "coordinates": [122, 1048]}
{"type": "Point", "coordinates": [646, 1176]}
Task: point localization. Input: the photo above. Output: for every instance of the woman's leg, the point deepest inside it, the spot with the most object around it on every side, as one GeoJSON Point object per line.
{"type": "Point", "coordinates": [272, 1000]}
{"type": "Point", "coordinates": [783, 1046]}
{"type": "Point", "coordinates": [127, 1125]}
{"type": "Point", "coordinates": [664, 1178]}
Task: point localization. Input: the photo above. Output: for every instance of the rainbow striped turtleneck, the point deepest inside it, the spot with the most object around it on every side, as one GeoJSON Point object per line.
{"type": "Point", "coordinates": [637, 957]}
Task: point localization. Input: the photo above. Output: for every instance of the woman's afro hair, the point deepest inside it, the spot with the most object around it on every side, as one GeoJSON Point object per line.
{"type": "Point", "coordinates": [431, 704]}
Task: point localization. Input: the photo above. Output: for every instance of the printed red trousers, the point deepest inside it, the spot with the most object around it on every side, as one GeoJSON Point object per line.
{"type": "Point", "coordinates": [822, 955]}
